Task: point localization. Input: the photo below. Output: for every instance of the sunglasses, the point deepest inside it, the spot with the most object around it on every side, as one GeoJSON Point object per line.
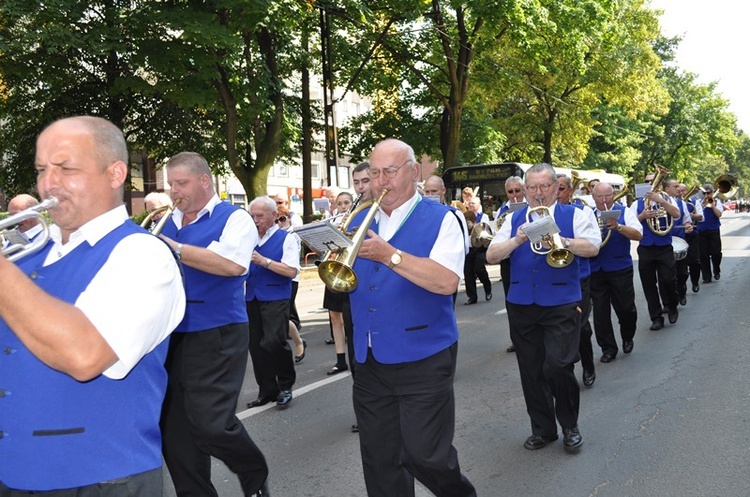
{"type": "Point", "coordinates": [282, 219]}
{"type": "Point", "coordinates": [279, 202]}
{"type": "Point", "coordinates": [517, 190]}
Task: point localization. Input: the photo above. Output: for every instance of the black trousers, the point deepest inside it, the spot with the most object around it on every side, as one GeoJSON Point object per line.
{"type": "Point", "coordinates": [546, 340]}
{"type": "Point", "coordinates": [475, 267]}
{"type": "Point", "coordinates": [656, 267]}
{"type": "Point", "coordinates": [147, 484]}
{"type": "Point", "coordinates": [349, 332]}
{"type": "Point", "coordinates": [273, 361]}
{"type": "Point", "coordinates": [710, 253]}
{"type": "Point", "coordinates": [585, 350]}
{"type": "Point", "coordinates": [293, 314]}
{"type": "Point", "coordinates": [613, 290]}
{"type": "Point", "coordinates": [693, 257]}
{"type": "Point", "coordinates": [505, 275]}
{"type": "Point", "coordinates": [406, 417]}
{"type": "Point", "coordinates": [206, 370]}
{"type": "Point", "coordinates": [682, 272]}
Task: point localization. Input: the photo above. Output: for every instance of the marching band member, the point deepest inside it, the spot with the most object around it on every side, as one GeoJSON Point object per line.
{"type": "Point", "coordinates": [83, 375]}
{"type": "Point", "coordinates": [475, 263]}
{"type": "Point", "coordinates": [656, 259]}
{"type": "Point", "coordinates": [514, 192]}
{"type": "Point", "coordinates": [682, 228]}
{"type": "Point", "coordinates": [709, 235]}
{"type": "Point", "coordinates": [693, 255]}
{"type": "Point", "coordinates": [403, 389]}
{"type": "Point", "coordinates": [612, 275]}
{"type": "Point", "coordinates": [215, 241]}
{"type": "Point", "coordinates": [586, 352]}
{"type": "Point", "coordinates": [543, 310]}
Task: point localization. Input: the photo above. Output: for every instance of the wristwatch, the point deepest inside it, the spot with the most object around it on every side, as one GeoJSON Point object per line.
{"type": "Point", "coordinates": [619, 227]}
{"type": "Point", "coordinates": [395, 259]}
{"type": "Point", "coordinates": [268, 263]}
{"type": "Point", "coordinates": [566, 243]}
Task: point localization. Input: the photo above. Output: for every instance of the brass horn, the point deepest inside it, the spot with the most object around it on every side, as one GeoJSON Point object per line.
{"type": "Point", "coordinates": [15, 251]}
{"type": "Point", "coordinates": [605, 236]}
{"type": "Point", "coordinates": [336, 267]}
{"type": "Point", "coordinates": [167, 210]}
{"type": "Point", "coordinates": [557, 255]}
{"type": "Point", "coordinates": [661, 224]}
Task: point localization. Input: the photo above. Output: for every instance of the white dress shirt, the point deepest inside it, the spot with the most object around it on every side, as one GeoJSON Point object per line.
{"type": "Point", "coordinates": [136, 299]}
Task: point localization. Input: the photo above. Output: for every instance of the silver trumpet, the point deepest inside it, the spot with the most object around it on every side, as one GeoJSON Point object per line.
{"type": "Point", "coordinates": [15, 251]}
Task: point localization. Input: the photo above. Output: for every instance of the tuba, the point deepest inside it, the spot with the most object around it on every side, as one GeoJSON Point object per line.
{"type": "Point", "coordinates": [481, 236]}
{"type": "Point", "coordinates": [15, 251]}
{"type": "Point", "coordinates": [725, 187]}
{"type": "Point", "coordinates": [557, 255]}
{"type": "Point", "coordinates": [167, 210]}
{"type": "Point", "coordinates": [602, 227]}
{"type": "Point", "coordinates": [335, 268]}
{"type": "Point", "coordinates": [575, 182]}
{"type": "Point", "coordinates": [662, 223]}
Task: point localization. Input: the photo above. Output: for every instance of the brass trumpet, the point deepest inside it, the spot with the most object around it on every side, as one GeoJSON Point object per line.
{"type": "Point", "coordinates": [167, 210]}
{"type": "Point", "coordinates": [661, 224]}
{"type": "Point", "coordinates": [557, 256]}
{"type": "Point", "coordinates": [336, 268]}
{"type": "Point", "coordinates": [15, 251]}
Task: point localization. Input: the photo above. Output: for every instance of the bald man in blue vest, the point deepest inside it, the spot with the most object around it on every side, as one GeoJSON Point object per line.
{"type": "Point", "coordinates": [544, 308]}
{"type": "Point", "coordinates": [405, 334]}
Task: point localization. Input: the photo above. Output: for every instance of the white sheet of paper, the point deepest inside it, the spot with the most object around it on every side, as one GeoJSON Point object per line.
{"type": "Point", "coordinates": [641, 189]}
{"type": "Point", "coordinates": [323, 236]}
{"type": "Point", "coordinates": [605, 215]}
{"type": "Point", "coordinates": [536, 230]}
{"type": "Point", "coordinates": [516, 206]}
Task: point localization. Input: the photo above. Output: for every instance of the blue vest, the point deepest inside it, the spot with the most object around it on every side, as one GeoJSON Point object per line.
{"type": "Point", "coordinates": [679, 231]}
{"type": "Point", "coordinates": [263, 284]}
{"type": "Point", "coordinates": [212, 300]}
{"type": "Point", "coordinates": [584, 268]}
{"type": "Point", "coordinates": [650, 239]}
{"type": "Point", "coordinates": [57, 432]}
{"type": "Point", "coordinates": [535, 282]}
{"type": "Point", "coordinates": [403, 321]}
{"type": "Point", "coordinates": [615, 255]}
{"type": "Point", "coordinates": [710, 221]}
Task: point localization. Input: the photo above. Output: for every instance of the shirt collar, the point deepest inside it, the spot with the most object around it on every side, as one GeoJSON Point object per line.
{"type": "Point", "coordinates": [94, 230]}
{"type": "Point", "coordinates": [177, 215]}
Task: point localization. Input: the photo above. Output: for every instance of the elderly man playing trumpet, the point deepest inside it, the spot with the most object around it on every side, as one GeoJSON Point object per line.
{"type": "Point", "coordinates": [543, 306]}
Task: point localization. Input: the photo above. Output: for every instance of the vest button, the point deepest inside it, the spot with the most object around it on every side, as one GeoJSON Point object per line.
{"type": "Point", "coordinates": [34, 275]}
{"type": "Point", "coordinates": [1, 434]}
{"type": "Point", "coordinates": [370, 309]}
{"type": "Point", "coordinates": [372, 287]}
{"type": "Point", "coordinates": [8, 350]}
{"type": "Point", "coordinates": [2, 393]}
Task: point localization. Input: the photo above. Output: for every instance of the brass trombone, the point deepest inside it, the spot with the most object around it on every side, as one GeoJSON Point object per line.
{"type": "Point", "coordinates": [557, 255]}
{"type": "Point", "coordinates": [15, 251]}
{"type": "Point", "coordinates": [725, 187]}
{"type": "Point", "coordinates": [167, 210]}
{"type": "Point", "coordinates": [661, 218]}
{"type": "Point", "coordinates": [336, 268]}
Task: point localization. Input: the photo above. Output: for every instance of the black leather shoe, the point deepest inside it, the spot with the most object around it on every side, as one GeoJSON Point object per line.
{"type": "Point", "coordinates": [627, 346]}
{"type": "Point", "coordinates": [683, 300]}
{"type": "Point", "coordinates": [355, 428]}
{"type": "Point", "coordinates": [664, 309]}
{"type": "Point", "coordinates": [488, 297]}
{"type": "Point", "coordinates": [706, 281]}
{"type": "Point", "coordinates": [608, 357]}
{"type": "Point", "coordinates": [535, 442]}
{"type": "Point", "coordinates": [263, 491]}
{"type": "Point", "coordinates": [657, 324]}
{"type": "Point", "coordinates": [717, 276]}
{"type": "Point", "coordinates": [261, 401]}
{"type": "Point", "coordinates": [588, 378]}
{"type": "Point", "coordinates": [696, 288]}
{"type": "Point", "coordinates": [285, 397]}
{"type": "Point", "coordinates": [470, 302]}
{"type": "Point", "coordinates": [673, 315]}
{"type": "Point", "coordinates": [512, 348]}
{"type": "Point", "coordinates": [572, 439]}
{"type": "Point", "coordinates": [298, 358]}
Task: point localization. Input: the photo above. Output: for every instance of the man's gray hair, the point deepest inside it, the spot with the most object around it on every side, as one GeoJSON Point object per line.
{"type": "Point", "coordinates": [513, 179]}
{"type": "Point", "coordinates": [194, 161]}
{"type": "Point", "coordinates": [544, 168]}
{"type": "Point", "coordinates": [265, 201]}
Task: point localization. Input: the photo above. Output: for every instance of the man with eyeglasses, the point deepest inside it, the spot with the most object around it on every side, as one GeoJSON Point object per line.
{"type": "Point", "coordinates": [543, 309]}
{"type": "Point", "coordinates": [405, 334]}
{"type": "Point", "coordinates": [612, 275]}
{"type": "Point", "coordinates": [585, 350]}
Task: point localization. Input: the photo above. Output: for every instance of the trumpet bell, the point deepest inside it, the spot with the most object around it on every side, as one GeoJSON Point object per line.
{"type": "Point", "coordinates": [337, 275]}
{"type": "Point", "coordinates": [560, 257]}
{"type": "Point", "coordinates": [12, 251]}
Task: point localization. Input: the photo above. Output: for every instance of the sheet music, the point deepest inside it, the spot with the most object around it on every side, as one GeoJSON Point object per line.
{"type": "Point", "coordinates": [642, 189]}
{"type": "Point", "coordinates": [323, 236]}
{"type": "Point", "coordinates": [15, 237]}
{"type": "Point", "coordinates": [513, 207]}
{"type": "Point", "coordinates": [605, 215]}
{"type": "Point", "coordinates": [537, 230]}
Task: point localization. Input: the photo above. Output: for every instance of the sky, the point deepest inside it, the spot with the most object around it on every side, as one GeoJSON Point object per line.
{"type": "Point", "coordinates": [715, 38]}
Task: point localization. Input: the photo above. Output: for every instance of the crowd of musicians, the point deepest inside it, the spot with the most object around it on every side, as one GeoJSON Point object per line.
{"type": "Point", "coordinates": [122, 349]}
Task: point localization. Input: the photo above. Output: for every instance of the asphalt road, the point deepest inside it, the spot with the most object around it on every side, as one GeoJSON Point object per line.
{"type": "Point", "coordinates": [670, 419]}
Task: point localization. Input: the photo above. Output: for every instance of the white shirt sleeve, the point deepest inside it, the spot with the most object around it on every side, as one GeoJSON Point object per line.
{"type": "Point", "coordinates": [631, 221]}
{"type": "Point", "coordinates": [135, 300]}
{"type": "Point", "coordinates": [585, 226]}
{"type": "Point", "coordinates": [291, 254]}
{"type": "Point", "coordinates": [237, 241]}
{"type": "Point", "coordinates": [685, 213]}
{"type": "Point", "coordinates": [449, 249]}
